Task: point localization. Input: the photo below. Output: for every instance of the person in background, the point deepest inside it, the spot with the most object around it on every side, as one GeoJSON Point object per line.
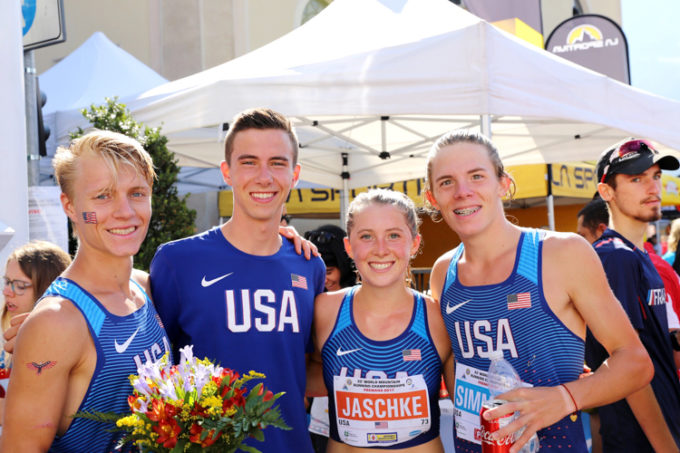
{"type": "Point", "coordinates": [95, 324]}
{"type": "Point", "coordinates": [382, 335]}
{"type": "Point", "coordinates": [340, 273]}
{"type": "Point", "coordinates": [592, 220]}
{"type": "Point", "coordinates": [29, 271]}
{"type": "Point", "coordinates": [673, 239]}
{"type": "Point", "coordinates": [650, 243]}
{"type": "Point", "coordinates": [528, 293]}
{"type": "Point", "coordinates": [285, 218]}
{"type": "Point", "coordinates": [629, 176]}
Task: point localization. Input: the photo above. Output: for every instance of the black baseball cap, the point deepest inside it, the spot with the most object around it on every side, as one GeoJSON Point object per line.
{"type": "Point", "coordinates": [632, 157]}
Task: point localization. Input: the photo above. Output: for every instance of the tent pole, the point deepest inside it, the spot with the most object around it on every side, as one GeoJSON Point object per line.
{"type": "Point", "coordinates": [344, 196]}
{"type": "Point", "coordinates": [550, 202]}
{"type": "Point", "coordinates": [485, 124]}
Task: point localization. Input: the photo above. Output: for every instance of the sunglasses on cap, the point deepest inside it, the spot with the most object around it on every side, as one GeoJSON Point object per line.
{"type": "Point", "coordinates": [626, 148]}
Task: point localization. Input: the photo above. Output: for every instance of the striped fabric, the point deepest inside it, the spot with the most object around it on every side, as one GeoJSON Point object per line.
{"type": "Point", "coordinates": [514, 316]}
{"type": "Point", "coordinates": [383, 356]}
{"type": "Point", "coordinates": [122, 343]}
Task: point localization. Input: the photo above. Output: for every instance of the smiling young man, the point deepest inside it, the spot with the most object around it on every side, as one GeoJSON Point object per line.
{"type": "Point", "coordinates": [95, 325]}
{"type": "Point", "coordinates": [239, 293]}
{"type": "Point", "coordinates": [629, 176]}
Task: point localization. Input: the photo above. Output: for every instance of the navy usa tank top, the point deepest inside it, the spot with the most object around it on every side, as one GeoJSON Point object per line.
{"type": "Point", "coordinates": [123, 343]}
{"type": "Point", "coordinates": [512, 316]}
{"type": "Point", "coordinates": [382, 394]}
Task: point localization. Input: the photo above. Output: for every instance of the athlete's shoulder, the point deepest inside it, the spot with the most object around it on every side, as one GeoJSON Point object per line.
{"type": "Point", "coordinates": [55, 317]}
{"type": "Point", "coordinates": [612, 243]}
{"type": "Point", "coordinates": [326, 308]}
{"type": "Point", "coordinates": [190, 244]}
{"type": "Point", "coordinates": [326, 304]}
{"type": "Point", "coordinates": [289, 254]}
{"type": "Point", "coordinates": [444, 260]}
{"type": "Point", "coordinates": [560, 244]}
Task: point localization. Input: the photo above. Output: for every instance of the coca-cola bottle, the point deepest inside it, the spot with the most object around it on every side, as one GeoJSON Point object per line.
{"type": "Point", "coordinates": [502, 378]}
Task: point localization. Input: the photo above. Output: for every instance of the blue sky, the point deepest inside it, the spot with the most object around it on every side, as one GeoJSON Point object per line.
{"type": "Point", "coordinates": [651, 28]}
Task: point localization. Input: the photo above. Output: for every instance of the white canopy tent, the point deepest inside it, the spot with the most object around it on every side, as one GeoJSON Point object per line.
{"type": "Point", "coordinates": [97, 69]}
{"type": "Point", "coordinates": [379, 78]}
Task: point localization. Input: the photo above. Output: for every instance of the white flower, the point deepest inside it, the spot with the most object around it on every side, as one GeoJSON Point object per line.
{"type": "Point", "coordinates": [186, 354]}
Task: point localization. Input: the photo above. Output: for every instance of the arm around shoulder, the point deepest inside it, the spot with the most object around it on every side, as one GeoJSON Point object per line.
{"type": "Point", "coordinates": [49, 346]}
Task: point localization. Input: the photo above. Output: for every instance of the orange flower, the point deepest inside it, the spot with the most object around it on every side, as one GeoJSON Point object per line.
{"type": "Point", "coordinates": [161, 411]}
{"type": "Point", "coordinates": [167, 431]}
{"type": "Point", "coordinates": [196, 431]}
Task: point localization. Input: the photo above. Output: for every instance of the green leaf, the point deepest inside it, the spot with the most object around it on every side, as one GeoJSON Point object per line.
{"type": "Point", "coordinates": [249, 449]}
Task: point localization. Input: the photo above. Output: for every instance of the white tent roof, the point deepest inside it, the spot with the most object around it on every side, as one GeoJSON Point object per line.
{"type": "Point", "coordinates": [95, 70]}
{"type": "Point", "coordinates": [388, 76]}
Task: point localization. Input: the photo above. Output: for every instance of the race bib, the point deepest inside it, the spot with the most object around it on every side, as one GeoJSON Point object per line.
{"type": "Point", "coordinates": [471, 392]}
{"type": "Point", "coordinates": [318, 421]}
{"type": "Point", "coordinates": [381, 412]}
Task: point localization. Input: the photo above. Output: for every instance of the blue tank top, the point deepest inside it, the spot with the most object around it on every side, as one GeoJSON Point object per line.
{"type": "Point", "coordinates": [512, 316]}
{"type": "Point", "coordinates": [123, 343]}
{"type": "Point", "coordinates": [384, 419]}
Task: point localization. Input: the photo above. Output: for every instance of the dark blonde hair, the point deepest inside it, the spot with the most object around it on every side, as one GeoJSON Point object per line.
{"type": "Point", "coordinates": [116, 150]}
{"type": "Point", "coordinates": [466, 136]}
{"type": "Point", "coordinates": [262, 119]}
{"type": "Point", "coordinates": [385, 197]}
{"type": "Point", "coordinates": [42, 262]}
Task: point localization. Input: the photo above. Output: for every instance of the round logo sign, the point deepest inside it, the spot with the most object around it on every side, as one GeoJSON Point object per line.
{"type": "Point", "coordinates": [28, 12]}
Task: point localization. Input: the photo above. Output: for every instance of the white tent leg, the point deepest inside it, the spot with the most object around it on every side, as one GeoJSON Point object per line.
{"type": "Point", "coordinates": [485, 125]}
{"type": "Point", "coordinates": [551, 212]}
{"type": "Point", "coordinates": [344, 196]}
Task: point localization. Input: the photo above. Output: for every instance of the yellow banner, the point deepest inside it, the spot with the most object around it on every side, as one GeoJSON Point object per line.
{"type": "Point", "coordinates": [574, 180]}
{"type": "Point", "coordinates": [670, 188]}
{"type": "Point", "coordinates": [568, 180]}
{"type": "Point", "coordinates": [324, 201]}
{"type": "Point", "coordinates": [530, 181]}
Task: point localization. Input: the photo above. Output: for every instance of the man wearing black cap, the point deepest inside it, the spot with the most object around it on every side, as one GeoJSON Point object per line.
{"type": "Point", "coordinates": [629, 177]}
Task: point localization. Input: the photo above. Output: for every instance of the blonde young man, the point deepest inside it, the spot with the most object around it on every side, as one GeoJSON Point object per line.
{"type": "Point", "coordinates": [95, 324]}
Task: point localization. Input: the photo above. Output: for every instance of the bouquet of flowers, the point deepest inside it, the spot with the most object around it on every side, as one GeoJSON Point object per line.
{"type": "Point", "coordinates": [194, 406]}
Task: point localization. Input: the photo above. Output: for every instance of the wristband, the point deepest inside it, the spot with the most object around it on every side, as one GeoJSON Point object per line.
{"type": "Point", "coordinates": [674, 340]}
{"type": "Point", "coordinates": [572, 398]}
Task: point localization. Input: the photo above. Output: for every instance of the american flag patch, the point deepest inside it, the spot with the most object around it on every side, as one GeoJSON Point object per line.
{"type": "Point", "coordinates": [90, 217]}
{"type": "Point", "coordinates": [411, 355]}
{"type": "Point", "coordinates": [381, 425]}
{"type": "Point", "coordinates": [519, 300]}
{"type": "Point", "coordinates": [298, 281]}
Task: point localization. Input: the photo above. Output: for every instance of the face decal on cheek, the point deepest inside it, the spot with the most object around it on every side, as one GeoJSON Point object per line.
{"type": "Point", "coordinates": [90, 217]}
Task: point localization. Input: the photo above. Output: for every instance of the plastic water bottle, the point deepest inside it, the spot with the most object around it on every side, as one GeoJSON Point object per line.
{"type": "Point", "coordinates": [502, 378]}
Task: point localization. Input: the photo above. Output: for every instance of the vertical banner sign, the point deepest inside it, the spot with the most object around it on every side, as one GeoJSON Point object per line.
{"type": "Point", "coordinates": [593, 41]}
